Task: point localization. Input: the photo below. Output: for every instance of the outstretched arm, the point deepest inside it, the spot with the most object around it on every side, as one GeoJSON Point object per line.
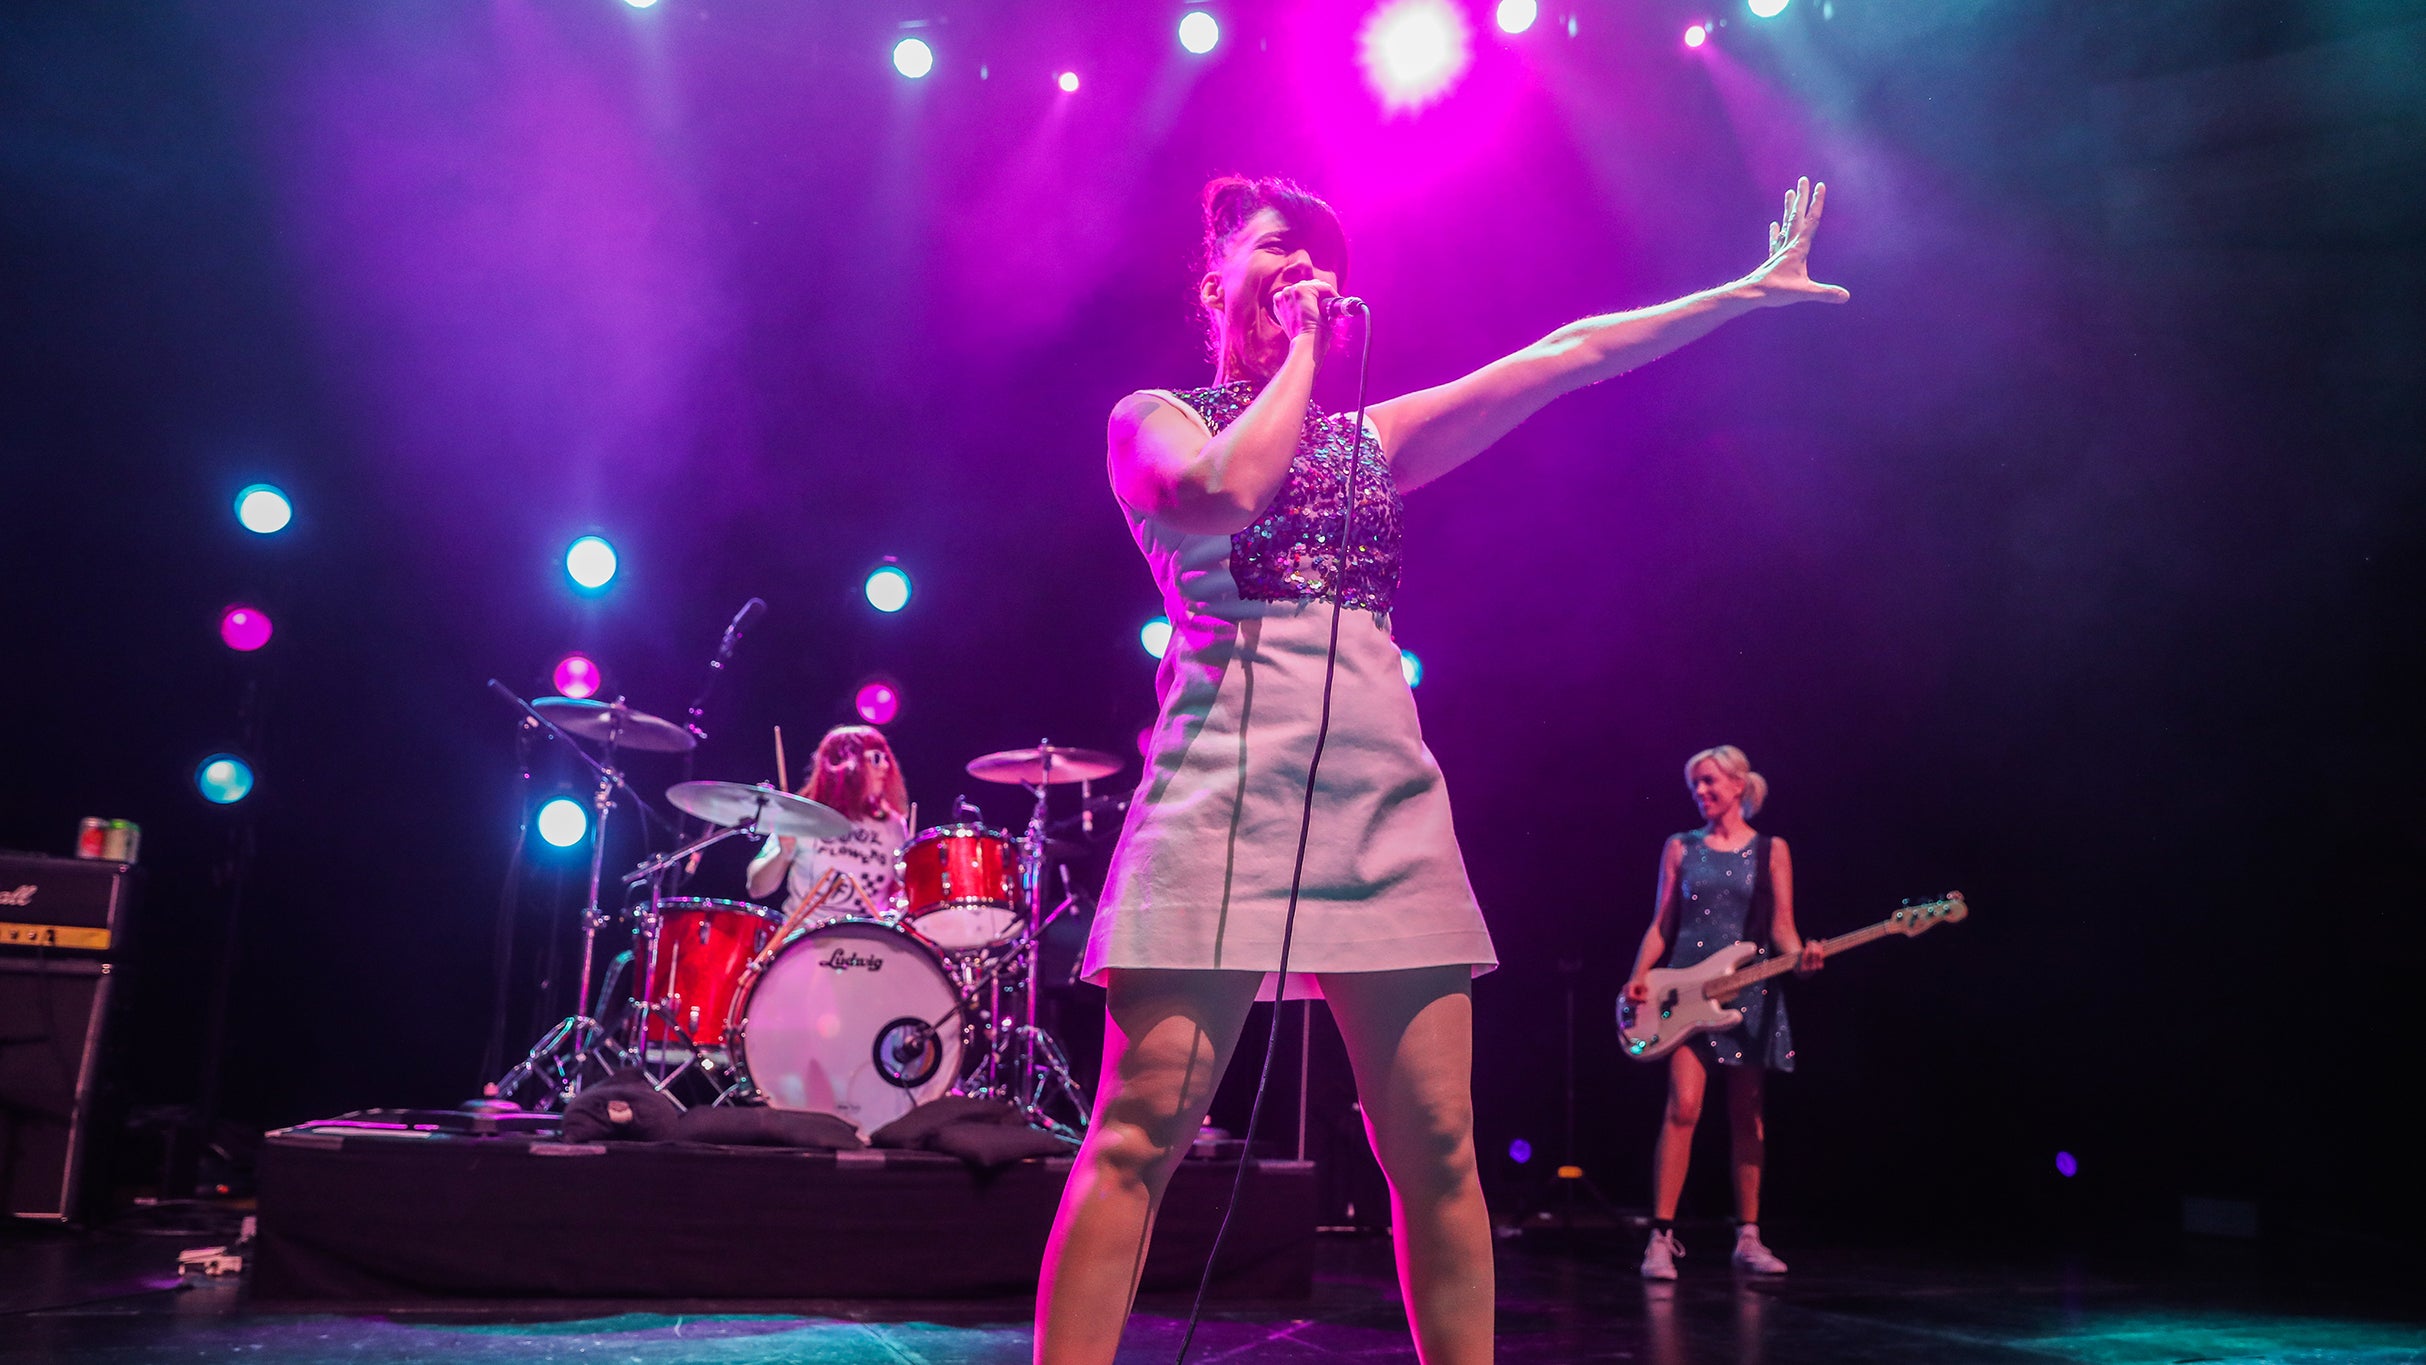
{"type": "Point", "coordinates": [1432, 431]}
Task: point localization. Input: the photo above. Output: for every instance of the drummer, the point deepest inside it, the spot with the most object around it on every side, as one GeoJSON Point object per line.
{"type": "Point", "coordinates": [856, 776]}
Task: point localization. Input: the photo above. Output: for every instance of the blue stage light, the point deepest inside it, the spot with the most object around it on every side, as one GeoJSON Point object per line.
{"type": "Point", "coordinates": [1411, 666]}
{"type": "Point", "coordinates": [263, 510]}
{"type": "Point", "coordinates": [1766, 9]}
{"type": "Point", "coordinates": [1155, 635]}
{"type": "Point", "coordinates": [591, 562]}
{"type": "Point", "coordinates": [913, 58]}
{"type": "Point", "coordinates": [888, 588]}
{"type": "Point", "coordinates": [563, 822]}
{"type": "Point", "coordinates": [224, 779]}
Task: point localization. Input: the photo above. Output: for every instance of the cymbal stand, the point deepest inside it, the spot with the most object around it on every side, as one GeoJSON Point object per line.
{"type": "Point", "coordinates": [1039, 1068]}
{"type": "Point", "coordinates": [563, 1056]}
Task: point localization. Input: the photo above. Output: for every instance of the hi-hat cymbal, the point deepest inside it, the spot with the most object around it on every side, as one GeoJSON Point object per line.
{"type": "Point", "coordinates": [776, 812]}
{"type": "Point", "coordinates": [1031, 766]}
{"type": "Point", "coordinates": [615, 723]}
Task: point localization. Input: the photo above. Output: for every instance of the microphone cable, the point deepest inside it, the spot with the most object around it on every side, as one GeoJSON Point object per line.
{"type": "Point", "coordinates": [1305, 825]}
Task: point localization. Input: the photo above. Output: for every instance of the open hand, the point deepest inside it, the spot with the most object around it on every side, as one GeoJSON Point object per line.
{"type": "Point", "coordinates": [1786, 276]}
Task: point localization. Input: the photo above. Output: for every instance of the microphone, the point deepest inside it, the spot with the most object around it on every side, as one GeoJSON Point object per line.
{"type": "Point", "coordinates": [1338, 305]}
{"type": "Point", "coordinates": [750, 611]}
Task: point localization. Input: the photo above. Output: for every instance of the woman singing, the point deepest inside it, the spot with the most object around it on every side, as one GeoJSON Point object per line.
{"type": "Point", "coordinates": [855, 775]}
{"type": "Point", "coordinates": [1234, 492]}
{"type": "Point", "coordinates": [1718, 885]}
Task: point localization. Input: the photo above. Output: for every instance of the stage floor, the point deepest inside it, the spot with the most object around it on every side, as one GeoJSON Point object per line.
{"type": "Point", "coordinates": [115, 1298]}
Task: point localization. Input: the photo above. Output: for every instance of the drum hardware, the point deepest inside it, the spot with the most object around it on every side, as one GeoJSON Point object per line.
{"type": "Point", "coordinates": [1041, 1068]}
{"type": "Point", "coordinates": [564, 1054]}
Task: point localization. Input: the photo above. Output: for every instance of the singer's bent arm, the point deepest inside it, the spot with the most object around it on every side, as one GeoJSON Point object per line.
{"type": "Point", "coordinates": [1163, 466]}
{"type": "Point", "coordinates": [1432, 431]}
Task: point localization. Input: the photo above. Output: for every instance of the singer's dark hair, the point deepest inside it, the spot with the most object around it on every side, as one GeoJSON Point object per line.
{"type": "Point", "coordinates": [1230, 200]}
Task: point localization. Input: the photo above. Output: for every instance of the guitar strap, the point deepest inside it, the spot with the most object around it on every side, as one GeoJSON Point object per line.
{"type": "Point", "coordinates": [1764, 897]}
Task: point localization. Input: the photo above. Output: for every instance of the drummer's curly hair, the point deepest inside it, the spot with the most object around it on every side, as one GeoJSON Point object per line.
{"type": "Point", "coordinates": [1230, 200]}
{"type": "Point", "coordinates": [835, 777]}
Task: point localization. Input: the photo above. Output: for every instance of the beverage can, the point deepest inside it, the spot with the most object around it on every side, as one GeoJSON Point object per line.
{"type": "Point", "coordinates": [122, 841]}
{"type": "Point", "coordinates": [92, 832]}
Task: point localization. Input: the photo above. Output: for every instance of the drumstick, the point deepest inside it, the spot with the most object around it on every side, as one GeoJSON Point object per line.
{"type": "Point", "coordinates": [783, 774]}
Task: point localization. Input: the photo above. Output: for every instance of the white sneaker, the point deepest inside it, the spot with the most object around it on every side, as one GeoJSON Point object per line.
{"type": "Point", "coordinates": [1750, 1254]}
{"type": "Point", "coordinates": [1659, 1258]}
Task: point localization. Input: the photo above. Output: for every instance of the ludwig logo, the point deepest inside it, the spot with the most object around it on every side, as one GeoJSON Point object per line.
{"type": "Point", "coordinates": [23, 895]}
{"type": "Point", "coordinates": [841, 961]}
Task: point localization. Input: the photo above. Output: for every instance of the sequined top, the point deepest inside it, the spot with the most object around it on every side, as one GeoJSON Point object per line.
{"type": "Point", "coordinates": [1291, 552]}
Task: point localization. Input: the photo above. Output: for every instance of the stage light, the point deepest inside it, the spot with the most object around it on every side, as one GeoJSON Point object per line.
{"type": "Point", "coordinates": [913, 58]}
{"type": "Point", "coordinates": [1411, 666]}
{"type": "Point", "coordinates": [1199, 32]}
{"type": "Point", "coordinates": [1696, 36]}
{"type": "Point", "coordinates": [1766, 9]}
{"type": "Point", "coordinates": [1520, 1151]}
{"type": "Point", "coordinates": [641, 4]}
{"type": "Point", "coordinates": [263, 510]}
{"type": "Point", "coordinates": [1413, 51]}
{"type": "Point", "coordinates": [877, 703]}
{"type": "Point", "coordinates": [2065, 1166]}
{"type": "Point", "coordinates": [563, 823]}
{"type": "Point", "coordinates": [577, 676]}
{"type": "Point", "coordinates": [244, 628]}
{"type": "Point", "coordinates": [591, 562]}
{"type": "Point", "coordinates": [888, 588]}
{"type": "Point", "coordinates": [1515, 16]}
{"type": "Point", "coordinates": [1068, 82]}
{"type": "Point", "coordinates": [224, 779]}
{"type": "Point", "coordinates": [1155, 635]}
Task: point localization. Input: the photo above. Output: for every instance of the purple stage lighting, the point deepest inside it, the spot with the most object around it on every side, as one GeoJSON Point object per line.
{"type": "Point", "coordinates": [877, 703]}
{"type": "Point", "coordinates": [1413, 51]}
{"type": "Point", "coordinates": [913, 58]}
{"type": "Point", "coordinates": [1199, 32]}
{"type": "Point", "coordinates": [1068, 81]}
{"type": "Point", "coordinates": [577, 676]}
{"type": "Point", "coordinates": [2065, 1166]}
{"type": "Point", "coordinates": [244, 628]}
{"type": "Point", "coordinates": [1520, 1151]}
{"type": "Point", "coordinates": [1696, 36]}
{"type": "Point", "coordinates": [1515, 16]}
{"type": "Point", "coordinates": [888, 588]}
{"type": "Point", "coordinates": [263, 510]}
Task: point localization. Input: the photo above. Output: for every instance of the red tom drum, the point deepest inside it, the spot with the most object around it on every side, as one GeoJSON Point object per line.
{"type": "Point", "coordinates": [960, 886]}
{"type": "Point", "coordinates": [703, 946]}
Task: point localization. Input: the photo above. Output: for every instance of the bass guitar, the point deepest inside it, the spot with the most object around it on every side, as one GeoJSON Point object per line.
{"type": "Point", "coordinates": [1689, 1000]}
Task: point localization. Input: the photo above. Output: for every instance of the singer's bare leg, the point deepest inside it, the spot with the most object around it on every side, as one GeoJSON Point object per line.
{"type": "Point", "coordinates": [1410, 1036]}
{"type": "Point", "coordinates": [1168, 1035]}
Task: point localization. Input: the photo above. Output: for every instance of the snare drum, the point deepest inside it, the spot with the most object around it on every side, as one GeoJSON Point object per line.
{"type": "Point", "coordinates": [960, 886]}
{"type": "Point", "coordinates": [834, 1021]}
{"type": "Point", "coordinates": [702, 947]}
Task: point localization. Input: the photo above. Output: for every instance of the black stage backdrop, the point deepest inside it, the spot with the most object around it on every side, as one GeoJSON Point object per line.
{"type": "Point", "coordinates": [2074, 565]}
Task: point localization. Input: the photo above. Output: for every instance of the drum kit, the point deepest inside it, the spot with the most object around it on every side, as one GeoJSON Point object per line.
{"type": "Point", "coordinates": [864, 1014]}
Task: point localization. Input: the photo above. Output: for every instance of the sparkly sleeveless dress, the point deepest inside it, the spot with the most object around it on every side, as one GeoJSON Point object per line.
{"type": "Point", "coordinates": [1200, 878]}
{"type": "Point", "coordinates": [1714, 905]}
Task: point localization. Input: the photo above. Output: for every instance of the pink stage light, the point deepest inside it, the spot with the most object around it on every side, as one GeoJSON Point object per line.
{"type": "Point", "coordinates": [578, 676]}
{"type": "Point", "coordinates": [877, 703]}
{"type": "Point", "coordinates": [1414, 51]}
{"type": "Point", "coordinates": [1068, 82]}
{"type": "Point", "coordinates": [243, 628]}
{"type": "Point", "coordinates": [1696, 36]}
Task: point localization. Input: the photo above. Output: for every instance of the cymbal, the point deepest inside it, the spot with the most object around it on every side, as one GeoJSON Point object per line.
{"type": "Point", "coordinates": [1028, 766]}
{"type": "Point", "coordinates": [615, 723]}
{"type": "Point", "coordinates": [777, 812]}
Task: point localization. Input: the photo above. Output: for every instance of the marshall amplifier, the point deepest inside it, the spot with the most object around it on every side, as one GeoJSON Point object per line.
{"type": "Point", "coordinates": [61, 921]}
{"type": "Point", "coordinates": [76, 905]}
